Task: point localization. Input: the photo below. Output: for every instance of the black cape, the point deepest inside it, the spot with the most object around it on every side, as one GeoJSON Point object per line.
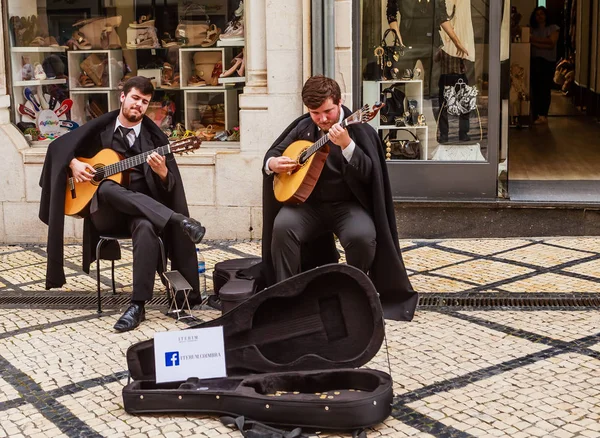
{"type": "Point", "coordinates": [87, 141]}
{"type": "Point", "coordinates": [388, 273]}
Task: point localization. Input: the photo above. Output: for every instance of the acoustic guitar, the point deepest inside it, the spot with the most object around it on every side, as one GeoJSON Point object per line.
{"type": "Point", "coordinates": [111, 165]}
{"type": "Point", "coordinates": [296, 186]}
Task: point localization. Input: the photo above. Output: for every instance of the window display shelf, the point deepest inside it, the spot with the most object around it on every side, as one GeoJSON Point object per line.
{"type": "Point", "coordinates": [37, 49]}
{"type": "Point", "coordinates": [233, 43]}
{"type": "Point", "coordinates": [211, 107]}
{"type": "Point", "coordinates": [392, 127]}
{"type": "Point", "coordinates": [204, 87]}
{"type": "Point", "coordinates": [103, 59]}
{"type": "Point", "coordinates": [35, 82]}
{"type": "Point", "coordinates": [413, 90]}
{"type": "Point", "coordinates": [236, 80]}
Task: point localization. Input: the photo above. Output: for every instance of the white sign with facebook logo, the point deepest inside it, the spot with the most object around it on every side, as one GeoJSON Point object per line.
{"type": "Point", "coordinates": [189, 353]}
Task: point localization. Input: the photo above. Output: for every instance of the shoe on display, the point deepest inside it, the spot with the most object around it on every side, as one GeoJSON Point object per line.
{"type": "Point", "coordinates": [233, 32]}
{"type": "Point", "coordinates": [240, 10]}
{"type": "Point", "coordinates": [38, 71]}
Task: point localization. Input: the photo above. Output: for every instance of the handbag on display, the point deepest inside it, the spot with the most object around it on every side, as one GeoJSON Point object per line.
{"type": "Point", "coordinates": [460, 98]}
{"type": "Point", "coordinates": [402, 149]}
{"type": "Point", "coordinates": [458, 151]}
{"type": "Point", "coordinates": [388, 56]}
{"type": "Point", "coordinates": [101, 32]}
{"type": "Point", "coordinates": [395, 102]}
{"type": "Point", "coordinates": [191, 31]}
{"type": "Point", "coordinates": [94, 67]}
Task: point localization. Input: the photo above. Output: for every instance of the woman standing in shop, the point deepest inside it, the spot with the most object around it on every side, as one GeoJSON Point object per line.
{"type": "Point", "coordinates": [543, 61]}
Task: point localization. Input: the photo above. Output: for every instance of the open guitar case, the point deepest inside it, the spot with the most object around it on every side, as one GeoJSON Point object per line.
{"type": "Point", "coordinates": [291, 352]}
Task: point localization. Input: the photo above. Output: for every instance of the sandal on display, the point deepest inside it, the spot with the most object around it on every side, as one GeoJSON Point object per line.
{"type": "Point", "coordinates": [216, 73]}
{"type": "Point", "coordinates": [124, 79]}
{"type": "Point", "coordinates": [50, 41]}
{"type": "Point", "coordinates": [233, 32]}
{"type": "Point", "coordinates": [212, 35]}
{"type": "Point", "coordinates": [38, 42]}
{"type": "Point", "coordinates": [206, 134]}
{"type": "Point", "coordinates": [167, 41]}
{"type": "Point", "coordinates": [26, 69]}
{"type": "Point", "coordinates": [242, 68]}
{"type": "Point", "coordinates": [195, 81]}
{"type": "Point", "coordinates": [239, 12]}
{"type": "Point", "coordinates": [236, 63]}
{"type": "Point", "coordinates": [166, 79]}
{"type": "Point", "coordinates": [80, 42]}
{"type": "Point", "coordinates": [85, 81]}
{"type": "Point", "coordinates": [38, 71]}
{"type": "Point", "coordinates": [144, 21]}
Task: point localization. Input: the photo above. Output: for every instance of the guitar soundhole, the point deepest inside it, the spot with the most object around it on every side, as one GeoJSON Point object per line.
{"type": "Point", "coordinates": [302, 158]}
{"type": "Point", "coordinates": [99, 176]}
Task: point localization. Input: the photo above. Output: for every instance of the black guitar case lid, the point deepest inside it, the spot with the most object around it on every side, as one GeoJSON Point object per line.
{"type": "Point", "coordinates": [290, 352]}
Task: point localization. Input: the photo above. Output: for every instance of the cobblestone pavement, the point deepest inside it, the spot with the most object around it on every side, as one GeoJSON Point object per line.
{"type": "Point", "coordinates": [461, 372]}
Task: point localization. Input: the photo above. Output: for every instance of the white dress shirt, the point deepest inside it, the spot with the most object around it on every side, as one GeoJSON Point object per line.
{"type": "Point", "coordinates": [132, 134]}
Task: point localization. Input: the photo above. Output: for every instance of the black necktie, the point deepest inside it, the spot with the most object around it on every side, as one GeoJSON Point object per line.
{"type": "Point", "coordinates": [125, 132]}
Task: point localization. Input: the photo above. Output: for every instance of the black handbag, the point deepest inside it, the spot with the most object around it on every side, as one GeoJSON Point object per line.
{"type": "Point", "coordinates": [390, 56]}
{"type": "Point", "coordinates": [402, 149]}
{"type": "Point", "coordinates": [395, 104]}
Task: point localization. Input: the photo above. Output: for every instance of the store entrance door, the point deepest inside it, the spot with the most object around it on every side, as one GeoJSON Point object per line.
{"type": "Point", "coordinates": [553, 145]}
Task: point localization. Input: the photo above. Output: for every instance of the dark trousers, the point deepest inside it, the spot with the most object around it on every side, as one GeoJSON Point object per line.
{"type": "Point", "coordinates": [463, 119]}
{"type": "Point", "coordinates": [297, 224]}
{"type": "Point", "coordinates": [542, 76]}
{"type": "Point", "coordinates": [121, 210]}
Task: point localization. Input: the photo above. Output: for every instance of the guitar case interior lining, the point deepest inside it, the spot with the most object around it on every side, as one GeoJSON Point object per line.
{"type": "Point", "coordinates": [290, 352]}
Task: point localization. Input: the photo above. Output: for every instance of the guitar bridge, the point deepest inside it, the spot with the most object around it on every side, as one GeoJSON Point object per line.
{"type": "Point", "coordinates": [71, 183]}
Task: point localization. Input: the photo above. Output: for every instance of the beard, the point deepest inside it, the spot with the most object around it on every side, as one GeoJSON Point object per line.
{"type": "Point", "coordinates": [131, 116]}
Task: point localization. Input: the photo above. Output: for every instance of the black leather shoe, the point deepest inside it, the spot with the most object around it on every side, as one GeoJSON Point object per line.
{"type": "Point", "coordinates": [132, 317]}
{"type": "Point", "coordinates": [194, 229]}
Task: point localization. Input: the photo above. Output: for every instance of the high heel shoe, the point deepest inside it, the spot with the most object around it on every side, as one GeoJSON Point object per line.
{"type": "Point", "coordinates": [241, 70]}
{"type": "Point", "coordinates": [236, 63]}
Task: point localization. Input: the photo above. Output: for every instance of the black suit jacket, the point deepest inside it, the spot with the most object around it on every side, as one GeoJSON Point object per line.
{"type": "Point", "coordinates": [87, 141]}
{"type": "Point", "coordinates": [388, 273]}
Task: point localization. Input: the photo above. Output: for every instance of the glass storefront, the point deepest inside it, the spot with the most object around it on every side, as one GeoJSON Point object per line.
{"type": "Point", "coordinates": [70, 58]}
{"type": "Point", "coordinates": [429, 62]}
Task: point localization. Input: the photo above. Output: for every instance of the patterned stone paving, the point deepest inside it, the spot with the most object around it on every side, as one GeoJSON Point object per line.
{"type": "Point", "coordinates": [457, 373]}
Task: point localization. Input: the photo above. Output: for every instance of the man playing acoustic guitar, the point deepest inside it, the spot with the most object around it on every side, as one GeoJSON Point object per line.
{"type": "Point", "coordinates": [152, 203]}
{"type": "Point", "coordinates": [351, 199]}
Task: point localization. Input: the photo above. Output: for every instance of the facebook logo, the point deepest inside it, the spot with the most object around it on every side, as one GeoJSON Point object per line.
{"type": "Point", "coordinates": [172, 359]}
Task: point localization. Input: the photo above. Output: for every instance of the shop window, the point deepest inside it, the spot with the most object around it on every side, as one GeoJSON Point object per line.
{"type": "Point", "coordinates": [428, 60]}
{"type": "Point", "coordinates": [70, 58]}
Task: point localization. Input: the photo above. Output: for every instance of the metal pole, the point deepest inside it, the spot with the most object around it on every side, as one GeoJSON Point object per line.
{"type": "Point", "coordinates": [317, 36]}
{"type": "Point", "coordinates": [329, 38]}
{"type": "Point", "coordinates": [356, 54]}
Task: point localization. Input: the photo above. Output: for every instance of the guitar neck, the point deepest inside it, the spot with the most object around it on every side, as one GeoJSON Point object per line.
{"type": "Point", "coordinates": [320, 143]}
{"type": "Point", "coordinates": [128, 163]}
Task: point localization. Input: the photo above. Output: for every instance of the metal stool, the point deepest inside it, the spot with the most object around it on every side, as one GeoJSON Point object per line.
{"type": "Point", "coordinates": [118, 237]}
{"type": "Point", "coordinates": [176, 283]}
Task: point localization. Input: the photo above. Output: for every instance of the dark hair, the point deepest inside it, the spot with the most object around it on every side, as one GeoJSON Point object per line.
{"type": "Point", "coordinates": [142, 83]}
{"type": "Point", "coordinates": [318, 89]}
{"type": "Point", "coordinates": [532, 21]}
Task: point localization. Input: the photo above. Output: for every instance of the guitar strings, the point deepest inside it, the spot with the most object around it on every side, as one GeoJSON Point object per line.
{"type": "Point", "coordinates": [120, 166]}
